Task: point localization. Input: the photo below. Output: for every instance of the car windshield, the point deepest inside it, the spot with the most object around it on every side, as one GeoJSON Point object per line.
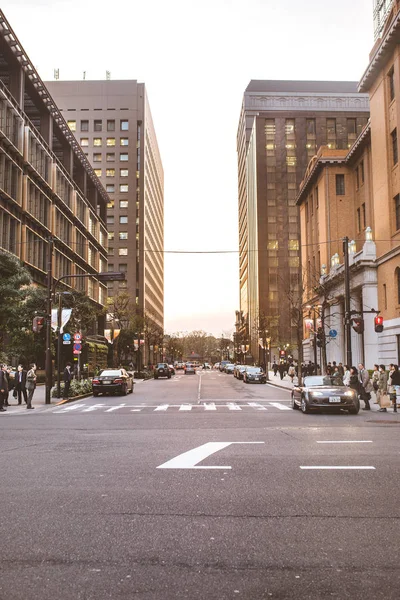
{"type": "Point", "coordinates": [111, 373]}
{"type": "Point", "coordinates": [254, 370]}
{"type": "Point", "coordinates": [161, 366]}
{"type": "Point", "coordinates": [318, 380]}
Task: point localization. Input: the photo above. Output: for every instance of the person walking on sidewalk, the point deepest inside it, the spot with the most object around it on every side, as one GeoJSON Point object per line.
{"type": "Point", "coordinates": [366, 384]}
{"type": "Point", "coordinates": [382, 387]}
{"type": "Point", "coordinates": [395, 382]}
{"type": "Point", "coordinates": [68, 376]}
{"type": "Point", "coordinates": [31, 384]}
{"type": "Point", "coordinates": [20, 385]}
{"type": "Point", "coordinates": [3, 387]}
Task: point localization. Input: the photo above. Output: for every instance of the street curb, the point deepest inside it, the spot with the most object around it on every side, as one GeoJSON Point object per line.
{"type": "Point", "coordinates": [282, 387]}
{"type": "Point", "coordinates": [67, 400]}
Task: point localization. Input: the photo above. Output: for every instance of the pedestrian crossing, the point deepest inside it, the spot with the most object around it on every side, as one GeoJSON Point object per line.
{"type": "Point", "coordinates": [205, 407]}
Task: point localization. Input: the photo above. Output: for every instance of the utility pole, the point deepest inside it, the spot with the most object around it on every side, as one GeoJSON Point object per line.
{"type": "Point", "coordinates": [48, 365]}
{"type": "Point", "coordinates": [347, 308]}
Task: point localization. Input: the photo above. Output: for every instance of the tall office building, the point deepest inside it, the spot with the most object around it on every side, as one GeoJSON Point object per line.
{"type": "Point", "coordinates": [112, 123]}
{"type": "Point", "coordinates": [48, 189]}
{"type": "Point", "coordinates": [382, 9]}
{"type": "Point", "coordinates": [282, 124]}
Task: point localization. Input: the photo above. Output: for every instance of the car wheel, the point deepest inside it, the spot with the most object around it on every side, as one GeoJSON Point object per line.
{"type": "Point", "coordinates": [169, 376]}
{"type": "Point", "coordinates": [125, 390]}
{"type": "Point", "coordinates": [95, 394]}
{"type": "Point", "coordinates": [304, 406]}
{"type": "Point", "coordinates": [294, 405]}
{"type": "Point", "coordinates": [355, 409]}
{"type": "Point", "coordinates": [155, 376]}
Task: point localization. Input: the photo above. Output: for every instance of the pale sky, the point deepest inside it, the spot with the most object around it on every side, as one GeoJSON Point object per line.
{"type": "Point", "coordinates": [196, 59]}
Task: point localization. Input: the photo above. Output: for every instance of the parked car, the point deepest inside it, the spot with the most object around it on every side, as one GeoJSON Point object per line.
{"type": "Point", "coordinates": [180, 366]}
{"type": "Point", "coordinates": [254, 375]}
{"type": "Point", "coordinates": [162, 370]}
{"type": "Point", "coordinates": [323, 391]}
{"type": "Point", "coordinates": [216, 365]}
{"type": "Point", "coordinates": [240, 369]}
{"type": "Point", "coordinates": [229, 368]}
{"type": "Point", "coordinates": [222, 364]}
{"type": "Point", "coordinates": [112, 381]}
{"type": "Point", "coordinates": [190, 369]}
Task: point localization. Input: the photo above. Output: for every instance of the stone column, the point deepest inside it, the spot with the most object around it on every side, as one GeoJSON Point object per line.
{"type": "Point", "coordinates": [356, 338]}
{"type": "Point", "coordinates": [370, 300]}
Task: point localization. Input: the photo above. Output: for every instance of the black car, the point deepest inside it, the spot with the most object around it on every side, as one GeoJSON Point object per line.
{"type": "Point", "coordinates": [162, 370]}
{"type": "Point", "coordinates": [254, 375]}
{"type": "Point", "coordinates": [324, 392]}
{"type": "Point", "coordinates": [113, 381]}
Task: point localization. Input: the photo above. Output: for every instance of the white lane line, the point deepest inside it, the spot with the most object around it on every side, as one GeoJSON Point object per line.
{"type": "Point", "coordinates": [68, 408]}
{"type": "Point", "coordinates": [162, 407]}
{"type": "Point", "coordinates": [92, 408]}
{"type": "Point", "coordinates": [185, 407]}
{"type": "Point", "coordinates": [345, 442]}
{"type": "Point", "coordinates": [114, 408]}
{"type": "Point", "coordinates": [279, 405]}
{"type": "Point", "coordinates": [257, 405]}
{"type": "Point", "coordinates": [136, 409]}
{"type": "Point", "coordinates": [209, 405]}
{"type": "Point", "coordinates": [337, 467]}
{"type": "Point", "coordinates": [190, 459]}
{"type": "Point", "coordinates": [199, 391]}
{"type": "Point", "coordinates": [233, 406]}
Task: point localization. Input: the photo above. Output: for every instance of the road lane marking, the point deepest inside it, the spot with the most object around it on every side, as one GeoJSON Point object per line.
{"type": "Point", "coordinates": [280, 406]}
{"type": "Point", "coordinates": [114, 408]}
{"type": "Point", "coordinates": [209, 405]}
{"type": "Point", "coordinates": [233, 406]}
{"type": "Point", "coordinates": [162, 407]}
{"type": "Point", "coordinates": [345, 442]}
{"type": "Point", "coordinates": [186, 407]}
{"type": "Point", "coordinates": [94, 407]}
{"type": "Point", "coordinates": [337, 467]}
{"type": "Point", "coordinates": [69, 408]}
{"type": "Point", "coordinates": [257, 405]}
{"type": "Point", "coordinates": [199, 391]}
{"type": "Point", "coordinates": [189, 460]}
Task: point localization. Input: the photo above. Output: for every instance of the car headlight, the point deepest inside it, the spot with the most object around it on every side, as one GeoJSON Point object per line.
{"type": "Point", "coordinates": [349, 393]}
{"type": "Point", "coordinates": [316, 394]}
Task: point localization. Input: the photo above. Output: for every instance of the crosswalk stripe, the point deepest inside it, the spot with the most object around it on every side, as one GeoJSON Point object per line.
{"type": "Point", "coordinates": [233, 406]}
{"type": "Point", "coordinates": [92, 408]}
{"type": "Point", "coordinates": [162, 407]}
{"type": "Point", "coordinates": [209, 406]}
{"type": "Point", "coordinates": [257, 405]}
{"type": "Point", "coordinates": [280, 406]}
{"type": "Point", "coordinates": [69, 408]}
{"type": "Point", "coordinates": [115, 408]}
{"type": "Point", "coordinates": [186, 407]}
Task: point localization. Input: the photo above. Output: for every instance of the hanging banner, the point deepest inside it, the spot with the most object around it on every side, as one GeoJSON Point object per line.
{"type": "Point", "coordinates": [116, 333]}
{"type": "Point", "coordinates": [65, 317]}
{"type": "Point", "coordinates": [107, 335]}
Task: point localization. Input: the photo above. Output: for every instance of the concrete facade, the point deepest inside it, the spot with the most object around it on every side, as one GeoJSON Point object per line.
{"type": "Point", "coordinates": [112, 123]}
{"type": "Point", "coordinates": [281, 127]}
{"type": "Point", "coordinates": [48, 189]}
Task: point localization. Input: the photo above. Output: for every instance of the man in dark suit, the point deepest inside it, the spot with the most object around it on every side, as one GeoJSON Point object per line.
{"type": "Point", "coordinates": [20, 384]}
{"type": "Point", "coordinates": [68, 376]}
{"type": "Point", "coordinates": [3, 387]}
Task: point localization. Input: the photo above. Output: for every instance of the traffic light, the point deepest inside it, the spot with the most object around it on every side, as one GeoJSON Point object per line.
{"type": "Point", "coordinates": [38, 323]}
{"type": "Point", "coordinates": [378, 324]}
{"type": "Point", "coordinates": [282, 353]}
{"type": "Point", "coordinates": [358, 324]}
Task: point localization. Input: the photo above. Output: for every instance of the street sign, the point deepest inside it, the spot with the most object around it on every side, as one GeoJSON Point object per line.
{"type": "Point", "coordinates": [66, 342]}
{"type": "Point", "coordinates": [77, 347]}
{"type": "Point", "coordinates": [77, 336]}
{"type": "Point", "coordinates": [333, 333]}
{"type": "Point", "coordinates": [76, 351]}
{"type": "Point", "coordinates": [66, 337]}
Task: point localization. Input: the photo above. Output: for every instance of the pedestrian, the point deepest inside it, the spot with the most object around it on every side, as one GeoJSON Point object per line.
{"type": "Point", "coordinates": [395, 382]}
{"type": "Point", "coordinates": [275, 368]}
{"type": "Point", "coordinates": [292, 372]}
{"type": "Point", "coordinates": [281, 370]}
{"type": "Point", "coordinates": [382, 387]}
{"type": "Point", "coordinates": [341, 369]}
{"type": "Point", "coordinates": [354, 382]}
{"type": "Point", "coordinates": [68, 376]}
{"type": "Point", "coordinates": [329, 368]}
{"type": "Point", "coordinates": [375, 379]}
{"type": "Point", "coordinates": [31, 384]}
{"type": "Point", "coordinates": [7, 371]}
{"type": "Point", "coordinates": [3, 387]}
{"type": "Point", "coordinates": [366, 384]}
{"type": "Point", "coordinates": [346, 376]}
{"type": "Point", "coordinates": [20, 385]}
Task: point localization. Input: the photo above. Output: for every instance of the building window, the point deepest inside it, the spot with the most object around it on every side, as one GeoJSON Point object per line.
{"type": "Point", "coordinates": [123, 251]}
{"type": "Point", "coordinates": [310, 123]}
{"type": "Point", "coordinates": [72, 125]}
{"type": "Point", "coordinates": [331, 128]}
{"type": "Point", "coordinates": [85, 125]}
{"type": "Point", "coordinates": [384, 296]}
{"type": "Point", "coordinates": [123, 220]}
{"type": "Point", "coordinates": [110, 235]}
{"type": "Point", "coordinates": [340, 189]}
{"type": "Point", "coordinates": [111, 252]}
{"type": "Point", "coordinates": [122, 267]}
{"type": "Point", "coordinates": [110, 125]}
{"type": "Point", "coordinates": [123, 203]}
{"type": "Point", "coordinates": [97, 125]}
{"type": "Point", "coordinates": [391, 84]}
{"type": "Point", "coordinates": [351, 126]}
{"type": "Point", "coordinates": [84, 141]}
{"type": "Point", "coordinates": [123, 156]}
{"type": "Point", "coordinates": [110, 172]}
{"type": "Point", "coordinates": [123, 173]}
{"type": "Point", "coordinates": [364, 215]}
{"type": "Point", "coordinates": [110, 141]}
{"type": "Point", "coordinates": [362, 171]}
{"type": "Point", "coordinates": [96, 157]}
{"type": "Point", "coordinates": [110, 188]}
{"type": "Point", "coordinates": [398, 285]}
{"type": "Point", "coordinates": [316, 198]}
{"type": "Point", "coordinates": [124, 142]}
{"type": "Point", "coordinates": [123, 235]}
{"type": "Point", "coordinates": [97, 141]}
{"type": "Point", "coordinates": [98, 172]}
{"type": "Point", "coordinates": [394, 147]}
{"type": "Point", "coordinates": [110, 156]}
{"type": "Point", "coordinates": [124, 125]}
{"type": "Point", "coordinates": [123, 187]}
{"type": "Point", "coordinates": [397, 210]}
{"type": "Point", "coordinates": [110, 204]}
{"type": "Point", "coordinates": [110, 219]}
{"type": "Point", "coordinates": [358, 219]}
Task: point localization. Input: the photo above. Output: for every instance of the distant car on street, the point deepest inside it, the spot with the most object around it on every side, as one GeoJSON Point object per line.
{"type": "Point", "coordinates": [112, 381]}
{"type": "Point", "coordinates": [229, 368]}
{"type": "Point", "coordinates": [239, 370]}
{"type": "Point", "coordinates": [222, 364]}
{"type": "Point", "coordinates": [254, 375]}
{"type": "Point", "coordinates": [190, 369]}
{"type": "Point", "coordinates": [162, 370]}
{"type": "Point", "coordinates": [180, 366]}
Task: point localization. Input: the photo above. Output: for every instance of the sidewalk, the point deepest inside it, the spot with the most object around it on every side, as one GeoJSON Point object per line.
{"type": "Point", "coordinates": [276, 380]}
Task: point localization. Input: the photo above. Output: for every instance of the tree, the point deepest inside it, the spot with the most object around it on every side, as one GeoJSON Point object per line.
{"type": "Point", "coordinates": [14, 282]}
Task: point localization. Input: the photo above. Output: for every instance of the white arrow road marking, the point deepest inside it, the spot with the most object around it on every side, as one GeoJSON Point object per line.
{"type": "Point", "coordinates": [332, 468]}
{"type": "Point", "coordinates": [92, 408]}
{"type": "Point", "coordinates": [257, 405]}
{"type": "Point", "coordinates": [280, 406]}
{"type": "Point", "coordinates": [189, 460]}
{"type": "Point", "coordinates": [114, 408]}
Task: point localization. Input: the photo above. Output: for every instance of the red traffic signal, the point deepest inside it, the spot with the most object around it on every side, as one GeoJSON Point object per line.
{"type": "Point", "coordinates": [358, 324]}
{"type": "Point", "coordinates": [282, 353]}
{"type": "Point", "coordinates": [378, 324]}
{"type": "Point", "coordinates": [38, 324]}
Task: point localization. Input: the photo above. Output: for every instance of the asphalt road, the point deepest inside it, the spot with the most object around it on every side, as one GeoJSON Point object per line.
{"type": "Point", "coordinates": [198, 487]}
